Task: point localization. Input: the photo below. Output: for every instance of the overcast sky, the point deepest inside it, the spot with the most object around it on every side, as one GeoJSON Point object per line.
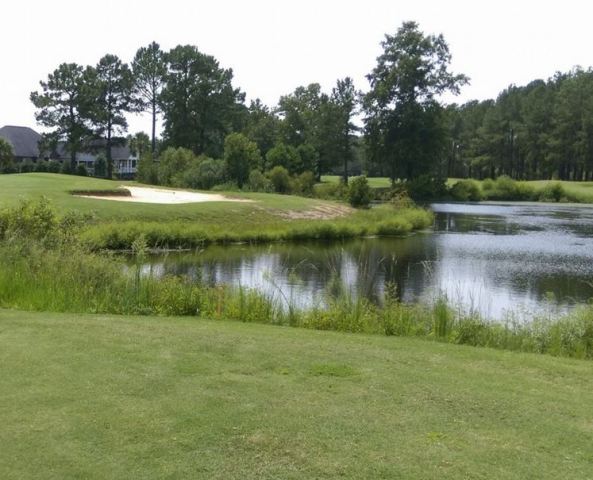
{"type": "Point", "coordinates": [275, 46]}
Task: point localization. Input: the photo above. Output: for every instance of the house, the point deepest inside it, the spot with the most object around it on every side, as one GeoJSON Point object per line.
{"type": "Point", "coordinates": [24, 141]}
{"type": "Point", "coordinates": [25, 145]}
{"type": "Point", "coordinates": [125, 162]}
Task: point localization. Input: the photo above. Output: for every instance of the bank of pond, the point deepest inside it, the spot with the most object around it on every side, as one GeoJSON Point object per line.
{"type": "Point", "coordinates": [427, 285]}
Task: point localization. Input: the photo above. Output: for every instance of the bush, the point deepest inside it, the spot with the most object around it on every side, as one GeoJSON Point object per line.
{"type": "Point", "coordinates": [280, 179]}
{"type": "Point", "coordinates": [26, 166]}
{"type": "Point", "coordinates": [172, 163]}
{"type": "Point", "coordinates": [281, 155]}
{"type": "Point", "coordinates": [257, 182]}
{"type": "Point", "coordinates": [81, 171]}
{"type": "Point", "coordinates": [331, 191]}
{"type": "Point", "coordinates": [426, 187]}
{"type": "Point", "coordinates": [53, 166]}
{"type": "Point", "coordinates": [226, 187]}
{"type": "Point", "coordinates": [505, 188]}
{"type": "Point", "coordinates": [148, 171]}
{"type": "Point", "coordinates": [241, 155]}
{"type": "Point", "coordinates": [101, 166]}
{"type": "Point", "coordinates": [465, 190]}
{"type": "Point", "coordinates": [203, 173]}
{"type": "Point", "coordinates": [359, 192]}
{"type": "Point", "coordinates": [552, 192]}
{"type": "Point", "coordinates": [42, 166]}
{"type": "Point", "coordinates": [304, 184]}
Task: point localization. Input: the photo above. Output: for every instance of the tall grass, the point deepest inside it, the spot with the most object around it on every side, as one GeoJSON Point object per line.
{"type": "Point", "coordinates": [44, 267]}
{"type": "Point", "coordinates": [33, 277]}
{"type": "Point", "coordinates": [177, 234]}
{"type": "Point", "coordinates": [505, 188]}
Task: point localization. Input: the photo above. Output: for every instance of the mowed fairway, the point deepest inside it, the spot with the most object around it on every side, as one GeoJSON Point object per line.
{"type": "Point", "coordinates": [57, 187]}
{"type": "Point", "coordinates": [98, 397]}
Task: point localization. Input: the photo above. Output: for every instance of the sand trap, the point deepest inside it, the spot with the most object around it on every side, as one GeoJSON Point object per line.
{"type": "Point", "coordinates": [162, 196]}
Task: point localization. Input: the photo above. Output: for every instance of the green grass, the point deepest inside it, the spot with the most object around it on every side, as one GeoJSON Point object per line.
{"type": "Point", "coordinates": [268, 217]}
{"type": "Point", "coordinates": [581, 191]}
{"type": "Point", "coordinates": [89, 396]}
{"type": "Point", "coordinates": [374, 182]}
{"type": "Point", "coordinates": [57, 187]}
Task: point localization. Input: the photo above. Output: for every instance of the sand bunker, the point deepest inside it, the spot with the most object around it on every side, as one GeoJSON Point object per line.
{"type": "Point", "coordinates": [156, 195]}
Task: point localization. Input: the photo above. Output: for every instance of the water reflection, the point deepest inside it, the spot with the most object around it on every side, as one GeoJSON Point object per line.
{"type": "Point", "coordinates": [488, 258]}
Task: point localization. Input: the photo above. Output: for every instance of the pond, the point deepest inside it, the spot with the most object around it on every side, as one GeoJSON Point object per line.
{"type": "Point", "coordinates": [490, 258]}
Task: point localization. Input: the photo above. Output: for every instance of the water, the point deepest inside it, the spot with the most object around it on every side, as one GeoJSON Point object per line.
{"type": "Point", "coordinates": [493, 259]}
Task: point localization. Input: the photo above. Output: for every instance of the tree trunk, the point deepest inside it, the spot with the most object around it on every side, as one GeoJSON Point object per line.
{"type": "Point", "coordinates": [108, 154]}
{"type": "Point", "coordinates": [153, 144]}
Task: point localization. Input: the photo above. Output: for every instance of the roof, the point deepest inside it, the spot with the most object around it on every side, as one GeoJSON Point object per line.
{"type": "Point", "coordinates": [24, 140]}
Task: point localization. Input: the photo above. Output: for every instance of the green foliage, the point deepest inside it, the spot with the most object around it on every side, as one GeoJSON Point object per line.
{"type": "Point", "coordinates": [304, 184]}
{"type": "Point", "coordinates": [331, 191]}
{"type": "Point", "coordinates": [285, 156]}
{"type": "Point", "coordinates": [405, 123]}
{"type": "Point", "coordinates": [81, 171]}
{"type": "Point", "coordinates": [111, 83]}
{"type": "Point", "coordinates": [6, 157]}
{"type": "Point", "coordinates": [64, 105]}
{"type": "Point", "coordinates": [148, 170]}
{"type": "Point", "coordinates": [42, 166]}
{"type": "Point", "coordinates": [100, 166]}
{"type": "Point", "coordinates": [359, 192]}
{"type": "Point", "coordinates": [426, 187]}
{"type": "Point", "coordinates": [199, 103]}
{"type": "Point", "coordinates": [203, 173]}
{"type": "Point", "coordinates": [172, 163]}
{"type": "Point", "coordinates": [258, 182]}
{"type": "Point", "coordinates": [149, 68]}
{"type": "Point", "coordinates": [552, 192]}
{"type": "Point", "coordinates": [26, 166]}
{"type": "Point", "coordinates": [465, 190]}
{"type": "Point", "coordinates": [241, 155]}
{"type": "Point", "coordinates": [280, 179]}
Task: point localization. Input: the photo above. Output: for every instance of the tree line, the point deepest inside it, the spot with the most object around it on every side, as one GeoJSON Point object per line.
{"type": "Point", "coordinates": [543, 130]}
{"type": "Point", "coordinates": [309, 130]}
{"type": "Point", "coordinates": [398, 128]}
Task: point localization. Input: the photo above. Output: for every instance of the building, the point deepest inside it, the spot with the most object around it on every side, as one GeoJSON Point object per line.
{"type": "Point", "coordinates": [25, 146]}
{"type": "Point", "coordinates": [24, 141]}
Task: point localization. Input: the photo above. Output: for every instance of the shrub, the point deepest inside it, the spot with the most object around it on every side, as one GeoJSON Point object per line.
{"type": "Point", "coordinates": [147, 171]}
{"type": "Point", "coordinates": [101, 166]}
{"type": "Point", "coordinates": [26, 166]}
{"type": "Point", "coordinates": [203, 172]}
{"type": "Point", "coordinates": [281, 155]}
{"type": "Point", "coordinates": [280, 179]}
{"type": "Point", "coordinates": [241, 155]}
{"type": "Point", "coordinates": [257, 182]}
{"type": "Point", "coordinates": [54, 166]}
{"type": "Point", "coordinates": [81, 171]}
{"type": "Point", "coordinates": [487, 185]}
{"type": "Point", "coordinates": [359, 192]}
{"type": "Point", "coordinates": [304, 184]}
{"type": "Point", "coordinates": [172, 162]}
{"type": "Point", "coordinates": [465, 190]}
{"type": "Point", "coordinates": [552, 192]}
{"type": "Point", "coordinates": [42, 166]}
{"type": "Point", "coordinates": [331, 191]}
{"type": "Point", "coordinates": [426, 187]}
{"type": "Point", "coordinates": [226, 187]}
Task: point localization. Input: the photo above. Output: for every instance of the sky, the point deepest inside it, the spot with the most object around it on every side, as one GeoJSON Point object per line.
{"type": "Point", "coordinates": [275, 46]}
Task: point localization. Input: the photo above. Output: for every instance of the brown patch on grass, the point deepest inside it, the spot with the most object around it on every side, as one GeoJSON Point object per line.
{"type": "Point", "coordinates": [321, 212]}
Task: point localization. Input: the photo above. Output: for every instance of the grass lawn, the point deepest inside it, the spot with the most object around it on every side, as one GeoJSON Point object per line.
{"type": "Point", "coordinates": [582, 190]}
{"type": "Point", "coordinates": [85, 396]}
{"type": "Point", "coordinates": [57, 187]}
{"type": "Point", "coordinates": [268, 217]}
{"type": "Point", "coordinates": [374, 182]}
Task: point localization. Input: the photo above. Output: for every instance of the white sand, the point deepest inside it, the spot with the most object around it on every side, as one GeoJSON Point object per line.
{"type": "Point", "coordinates": [162, 196]}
